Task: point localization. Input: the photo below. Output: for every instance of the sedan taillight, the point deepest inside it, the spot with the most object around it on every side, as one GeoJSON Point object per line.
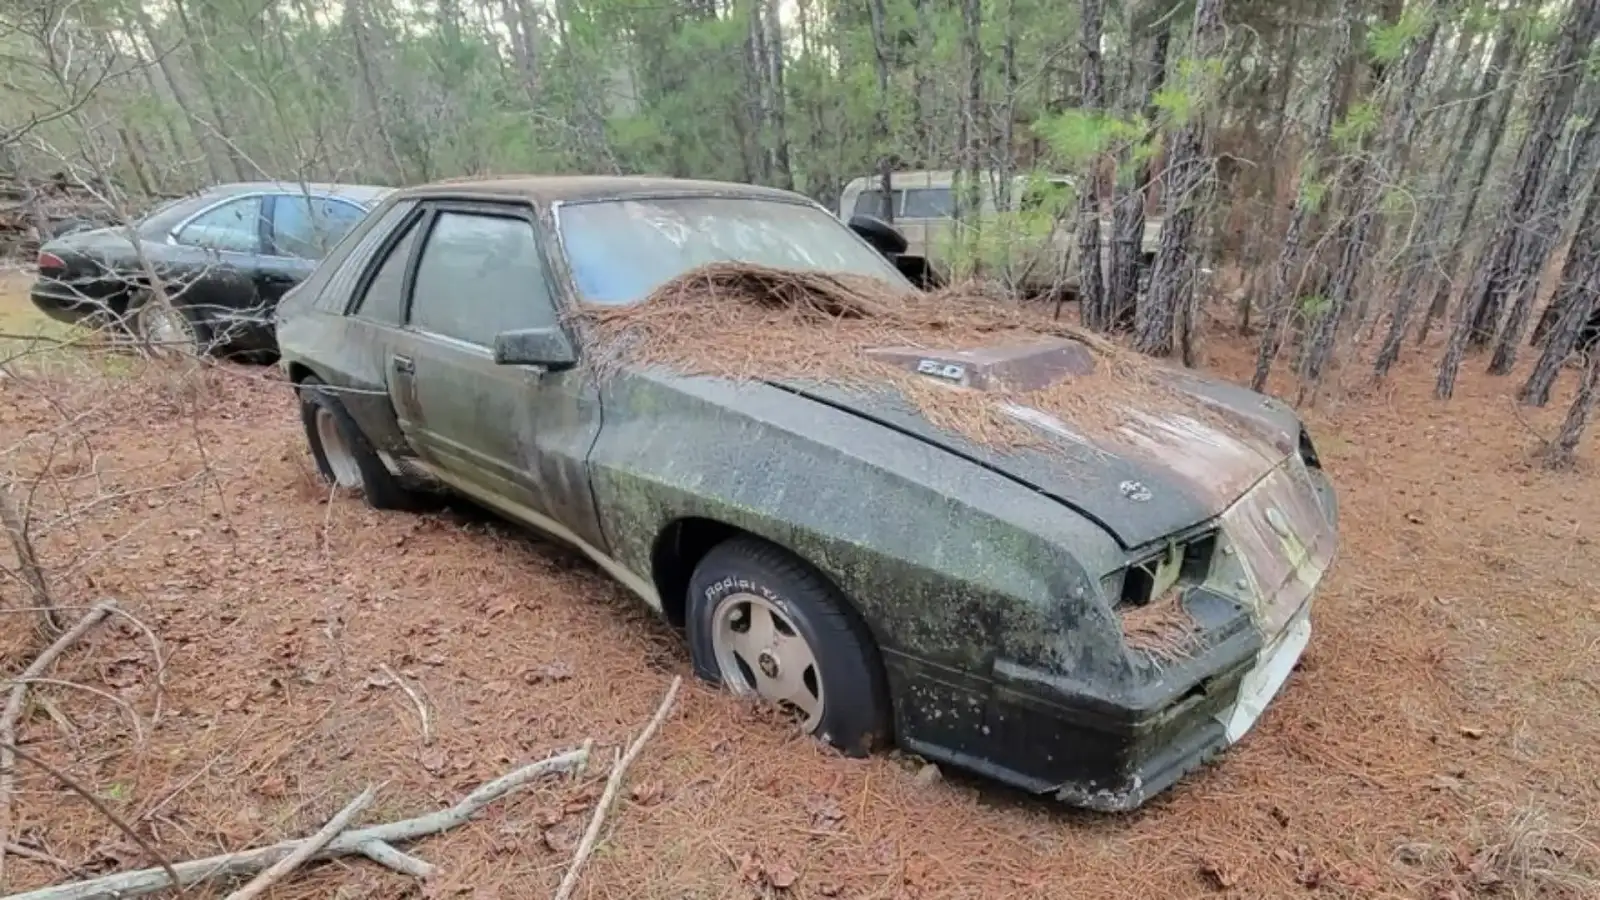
{"type": "Point", "coordinates": [49, 262]}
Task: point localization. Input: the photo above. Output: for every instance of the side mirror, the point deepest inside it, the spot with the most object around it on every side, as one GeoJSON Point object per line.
{"type": "Point", "coordinates": [883, 237]}
{"type": "Point", "coordinates": [546, 347]}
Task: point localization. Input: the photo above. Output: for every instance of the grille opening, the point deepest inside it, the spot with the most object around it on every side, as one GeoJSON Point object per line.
{"type": "Point", "coordinates": [1141, 582]}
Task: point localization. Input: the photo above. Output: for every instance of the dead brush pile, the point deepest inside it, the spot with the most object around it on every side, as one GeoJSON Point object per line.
{"type": "Point", "coordinates": [749, 322]}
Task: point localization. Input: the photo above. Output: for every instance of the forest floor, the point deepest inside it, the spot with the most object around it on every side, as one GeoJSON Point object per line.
{"type": "Point", "coordinates": [1431, 744]}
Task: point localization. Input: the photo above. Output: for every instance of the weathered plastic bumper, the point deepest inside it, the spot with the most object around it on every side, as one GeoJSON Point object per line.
{"type": "Point", "coordinates": [1048, 734]}
{"type": "Point", "coordinates": [60, 303]}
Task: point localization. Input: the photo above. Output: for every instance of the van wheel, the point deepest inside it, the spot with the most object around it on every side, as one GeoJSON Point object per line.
{"type": "Point", "coordinates": [764, 623]}
{"type": "Point", "coordinates": [342, 453]}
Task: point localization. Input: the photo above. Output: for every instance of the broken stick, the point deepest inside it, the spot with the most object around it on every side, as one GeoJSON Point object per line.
{"type": "Point", "coordinates": [13, 711]}
{"type": "Point", "coordinates": [609, 796]}
{"type": "Point", "coordinates": [231, 865]}
{"type": "Point", "coordinates": [328, 832]}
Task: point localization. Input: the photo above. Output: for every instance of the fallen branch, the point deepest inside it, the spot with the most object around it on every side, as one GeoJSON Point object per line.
{"type": "Point", "coordinates": [609, 796]}
{"type": "Point", "coordinates": [386, 855]}
{"type": "Point", "coordinates": [309, 846]}
{"type": "Point", "coordinates": [231, 865]}
{"type": "Point", "coordinates": [13, 711]}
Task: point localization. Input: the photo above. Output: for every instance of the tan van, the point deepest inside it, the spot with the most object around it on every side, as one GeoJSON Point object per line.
{"type": "Point", "coordinates": [924, 211]}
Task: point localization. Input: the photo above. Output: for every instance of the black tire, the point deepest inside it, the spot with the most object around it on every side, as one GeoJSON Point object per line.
{"type": "Point", "coordinates": [137, 324]}
{"type": "Point", "coordinates": [380, 489]}
{"type": "Point", "coordinates": [855, 715]}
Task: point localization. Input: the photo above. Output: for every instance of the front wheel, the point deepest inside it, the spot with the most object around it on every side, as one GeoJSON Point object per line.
{"type": "Point", "coordinates": [762, 622]}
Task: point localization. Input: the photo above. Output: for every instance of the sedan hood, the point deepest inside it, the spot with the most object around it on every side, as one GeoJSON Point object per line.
{"type": "Point", "coordinates": [1156, 475]}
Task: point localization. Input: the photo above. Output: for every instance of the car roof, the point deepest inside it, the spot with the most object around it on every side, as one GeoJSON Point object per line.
{"type": "Point", "coordinates": [933, 178]}
{"type": "Point", "coordinates": [586, 188]}
{"type": "Point", "coordinates": [365, 194]}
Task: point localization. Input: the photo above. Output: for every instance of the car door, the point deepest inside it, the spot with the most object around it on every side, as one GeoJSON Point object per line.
{"type": "Point", "coordinates": [213, 261]}
{"type": "Point", "coordinates": [515, 437]}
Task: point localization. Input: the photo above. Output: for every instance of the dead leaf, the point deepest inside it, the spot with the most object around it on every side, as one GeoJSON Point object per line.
{"type": "Point", "coordinates": [646, 793]}
{"type": "Point", "coordinates": [1218, 875]}
{"type": "Point", "coordinates": [434, 760]}
{"type": "Point", "coordinates": [782, 876]}
{"type": "Point", "coordinates": [561, 839]}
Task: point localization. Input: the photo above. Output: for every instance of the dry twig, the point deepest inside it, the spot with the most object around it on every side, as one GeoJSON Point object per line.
{"type": "Point", "coordinates": [13, 711]}
{"type": "Point", "coordinates": [361, 840]}
{"type": "Point", "coordinates": [422, 709]}
{"type": "Point", "coordinates": [17, 530]}
{"type": "Point", "coordinates": [306, 848]}
{"type": "Point", "coordinates": [613, 786]}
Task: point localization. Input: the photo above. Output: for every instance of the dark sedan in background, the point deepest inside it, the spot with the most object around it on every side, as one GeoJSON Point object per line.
{"type": "Point", "coordinates": [225, 256]}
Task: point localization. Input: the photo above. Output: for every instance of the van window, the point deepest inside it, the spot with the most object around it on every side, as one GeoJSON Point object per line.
{"type": "Point", "coordinates": [870, 203]}
{"type": "Point", "coordinates": [927, 203]}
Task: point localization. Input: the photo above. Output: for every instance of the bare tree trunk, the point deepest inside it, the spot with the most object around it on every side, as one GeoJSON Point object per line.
{"type": "Point", "coordinates": [1576, 298]}
{"type": "Point", "coordinates": [1356, 232]}
{"type": "Point", "coordinates": [1497, 272]}
{"type": "Point", "coordinates": [1550, 222]}
{"type": "Point", "coordinates": [921, 102]}
{"type": "Point", "coordinates": [356, 23]}
{"type": "Point", "coordinates": [1561, 451]}
{"type": "Point", "coordinates": [1421, 261]}
{"type": "Point", "coordinates": [196, 39]}
{"type": "Point", "coordinates": [1091, 290]}
{"type": "Point", "coordinates": [880, 53]}
{"type": "Point", "coordinates": [1280, 302]}
{"type": "Point", "coordinates": [1506, 83]}
{"type": "Point", "coordinates": [1127, 242]}
{"type": "Point", "coordinates": [180, 95]}
{"type": "Point", "coordinates": [772, 44]}
{"type": "Point", "coordinates": [1187, 174]}
{"type": "Point", "coordinates": [969, 204]}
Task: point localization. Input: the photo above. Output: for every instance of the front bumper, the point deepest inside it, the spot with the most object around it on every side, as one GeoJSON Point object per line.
{"type": "Point", "coordinates": [1065, 737]}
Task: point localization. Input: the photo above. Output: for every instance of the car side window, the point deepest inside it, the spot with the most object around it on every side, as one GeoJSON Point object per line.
{"type": "Point", "coordinates": [307, 226]}
{"type": "Point", "coordinates": [382, 300]}
{"type": "Point", "coordinates": [870, 202]}
{"type": "Point", "coordinates": [234, 226]}
{"type": "Point", "coordinates": [928, 203]}
{"type": "Point", "coordinates": [480, 274]}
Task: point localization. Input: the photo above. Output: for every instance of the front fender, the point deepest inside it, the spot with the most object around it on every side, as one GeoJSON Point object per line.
{"type": "Point", "coordinates": [945, 561]}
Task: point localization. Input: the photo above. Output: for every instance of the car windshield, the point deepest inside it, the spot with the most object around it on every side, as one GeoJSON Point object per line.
{"type": "Point", "coordinates": [621, 250]}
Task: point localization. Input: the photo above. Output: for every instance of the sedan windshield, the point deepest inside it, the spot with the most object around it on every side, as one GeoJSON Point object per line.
{"type": "Point", "coordinates": [621, 250]}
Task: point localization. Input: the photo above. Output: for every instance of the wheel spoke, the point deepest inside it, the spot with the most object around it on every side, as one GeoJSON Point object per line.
{"type": "Point", "coordinates": [791, 686]}
{"type": "Point", "coordinates": [761, 632]}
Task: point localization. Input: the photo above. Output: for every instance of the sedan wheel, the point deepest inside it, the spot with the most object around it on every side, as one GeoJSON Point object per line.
{"type": "Point", "coordinates": [341, 462]}
{"type": "Point", "coordinates": [166, 330]}
{"type": "Point", "coordinates": [759, 651]}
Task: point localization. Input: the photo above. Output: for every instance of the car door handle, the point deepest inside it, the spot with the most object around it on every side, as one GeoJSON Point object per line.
{"type": "Point", "coordinates": [404, 365]}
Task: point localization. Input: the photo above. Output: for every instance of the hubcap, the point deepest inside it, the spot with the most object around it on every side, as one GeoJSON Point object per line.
{"type": "Point", "coordinates": [166, 330]}
{"type": "Point", "coordinates": [760, 652]}
{"type": "Point", "coordinates": [341, 462]}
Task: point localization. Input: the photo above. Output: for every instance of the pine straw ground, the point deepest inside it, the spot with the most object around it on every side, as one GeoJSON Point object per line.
{"type": "Point", "coordinates": [1438, 740]}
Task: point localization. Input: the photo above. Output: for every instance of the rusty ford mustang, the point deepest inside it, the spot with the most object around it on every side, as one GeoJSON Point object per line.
{"type": "Point", "coordinates": [830, 551]}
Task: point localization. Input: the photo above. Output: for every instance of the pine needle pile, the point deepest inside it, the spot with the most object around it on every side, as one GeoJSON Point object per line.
{"type": "Point", "coordinates": [748, 322]}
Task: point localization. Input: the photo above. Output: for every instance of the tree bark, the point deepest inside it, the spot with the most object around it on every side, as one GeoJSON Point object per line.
{"type": "Point", "coordinates": [1355, 235]}
{"type": "Point", "coordinates": [1422, 259]}
{"type": "Point", "coordinates": [1497, 272]}
{"type": "Point", "coordinates": [1549, 223]}
{"type": "Point", "coordinates": [1091, 289]}
{"type": "Point", "coordinates": [1132, 193]}
{"type": "Point", "coordinates": [1506, 83]}
{"type": "Point", "coordinates": [1187, 173]}
{"type": "Point", "coordinates": [1561, 451]}
{"type": "Point", "coordinates": [1576, 298]}
{"type": "Point", "coordinates": [881, 136]}
{"type": "Point", "coordinates": [1280, 302]}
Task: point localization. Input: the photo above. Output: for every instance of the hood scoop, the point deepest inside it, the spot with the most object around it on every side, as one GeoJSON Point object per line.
{"type": "Point", "coordinates": [1013, 367]}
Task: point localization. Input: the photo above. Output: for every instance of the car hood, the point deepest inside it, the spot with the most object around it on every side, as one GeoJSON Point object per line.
{"type": "Point", "coordinates": [1156, 475]}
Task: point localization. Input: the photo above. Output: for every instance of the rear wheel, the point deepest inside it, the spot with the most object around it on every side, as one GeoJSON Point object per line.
{"type": "Point", "coordinates": [166, 329]}
{"type": "Point", "coordinates": [341, 451]}
{"type": "Point", "coordinates": [763, 623]}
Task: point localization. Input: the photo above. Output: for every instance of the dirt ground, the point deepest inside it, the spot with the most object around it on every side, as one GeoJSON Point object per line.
{"type": "Point", "coordinates": [1432, 743]}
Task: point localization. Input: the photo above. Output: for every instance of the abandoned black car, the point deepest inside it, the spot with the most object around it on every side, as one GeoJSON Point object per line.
{"type": "Point", "coordinates": [1082, 613]}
